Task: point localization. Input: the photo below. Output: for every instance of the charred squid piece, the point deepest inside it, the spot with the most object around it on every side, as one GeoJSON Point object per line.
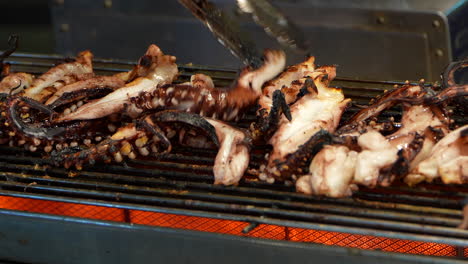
{"type": "Point", "coordinates": [310, 114]}
{"type": "Point", "coordinates": [268, 115]}
{"type": "Point", "coordinates": [149, 136]}
{"type": "Point", "coordinates": [27, 129]}
{"type": "Point", "coordinates": [292, 76]}
{"type": "Point", "coordinates": [163, 70]}
{"type": "Point", "coordinates": [233, 155]}
{"type": "Point", "coordinates": [200, 95]}
{"type": "Point", "coordinates": [193, 120]}
{"type": "Point", "coordinates": [296, 163]}
{"type": "Point", "coordinates": [400, 147]}
{"type": "Point", "coordinates": [306, 88]}
{"type": "Point", "coordinates": [330, 173]}
{"type": "Point", "coordinates": [448, 160]}
{"type": "Point", "coordinates": [85, 88]}
{"type": "Point", "coordinates": [82, 65]}
{"type": "Point", "coordinates": [159, 136]}
{"type": "Point", "coordinates": [33, 131]}
{"type": "Point", "coordinates": [448, 93]}
{"type": "Point", "coordinates": [22, 133]}
{"type": "Point", "coordinates": [62, 83]}
{"type": "Point", "coordinates": [37, 128]}
{"type": "Point", "coordinates": [78, 97]}
{"type": "Point", "coordinates": [144, 68]}
{"type": "Point", "coordinates": [367, 157]}
{"type": "Point", "coordinates": [15, 83]}
{"type": "Point", "coordinates": [13, 43]}
{"type": "Point", "coordinates": [406, 93]}
{"type": "Point", "coordinates": [411, 154]}
{"type": "Point", "coordinates": [267, 126]}
{"type": "Point", "coordinates": [115, 148]}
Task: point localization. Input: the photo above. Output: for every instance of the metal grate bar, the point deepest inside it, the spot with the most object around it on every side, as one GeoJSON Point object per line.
{"type": "Point", "coordinates": [130, 185]}
{"type": "Point", "coordinates": [181, 182]}
{"type": "Point", "coordinates": [29, 59]}
{"type": "Point", "coordinates": [176, 196]}
{"type": "Point", "coordinates": [244, 218]}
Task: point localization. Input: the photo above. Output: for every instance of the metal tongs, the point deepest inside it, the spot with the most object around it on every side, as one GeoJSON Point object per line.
{"type": "Point", "coordinates": [229, 33]}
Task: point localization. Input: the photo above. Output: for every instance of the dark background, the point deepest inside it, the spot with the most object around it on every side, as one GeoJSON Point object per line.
{"type": "Point", "coordinates": [372, 40]}
{"type": "Point", "coordinates": [31, 19]}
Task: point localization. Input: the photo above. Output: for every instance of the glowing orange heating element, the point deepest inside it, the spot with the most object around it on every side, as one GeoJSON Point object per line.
{"type": "Point", "coordinates": [227, 227]}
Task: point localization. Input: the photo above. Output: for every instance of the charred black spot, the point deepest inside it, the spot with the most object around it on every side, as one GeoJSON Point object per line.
{"type": "Point", "coordinates": [301, 159]}
{"type": "Point", "coordinates": [464, 133]}
{"type": "Point", "coordinates": [80, 94]}
{"type": "Point", "coordinates": [145, 61]}
{"type": "Point", "coordinates": [113, 149]}
{"type": "Point", "coordinates": [401, 166]}
{"type": "Point", "coordinates": [437, 133]}
{"type": "Point", "coordinates": [308, 85]}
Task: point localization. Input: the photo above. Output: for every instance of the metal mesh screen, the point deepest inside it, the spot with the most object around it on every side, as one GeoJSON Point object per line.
{"type": "Point", "coordinates": [231, 227]}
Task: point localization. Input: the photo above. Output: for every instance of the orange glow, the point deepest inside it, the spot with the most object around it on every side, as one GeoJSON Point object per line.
{"type": "Point", "coordinates": [227, 227]}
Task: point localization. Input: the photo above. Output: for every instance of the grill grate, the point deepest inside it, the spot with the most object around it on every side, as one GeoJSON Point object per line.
{"type": "Point", "coordinates": [181, 183]}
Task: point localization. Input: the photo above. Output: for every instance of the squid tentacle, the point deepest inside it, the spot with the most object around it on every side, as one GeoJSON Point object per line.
{"type": "Point", "coordinates": [186, 118]}
{"type": "Point", "coordinates": [448, 76]}
{"type": "Point", "coordinates": [143, 138]}
{"type": "Point", "coordinates": [27, 129]}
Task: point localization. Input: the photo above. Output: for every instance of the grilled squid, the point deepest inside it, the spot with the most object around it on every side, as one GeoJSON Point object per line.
{"type": "Point", "coordinates": [233, 155]}
{"type": "Point", "coordinates": [83, 65]}
{"type": "Point", "coordinates": [447, 160]}
{"type": "Point", "coordinates": [198, 96]}
{"type": "Point", "coordinates": [314, 112]}
{"type": "Point", "coordinates": [330, 173]}
{"type": "Point", "coordinates": [278, 94]}
{"type": "Point", "coordinates": [284, 81]}
{"type": "Point", "coordinates": [152, 135]}
{"type": "Point", "coordinates": [163, 70]}
{"type": "Point", "coordinates": [372, 159]}
{"type": "Point", "coordinates": [84, 88]}
{"type": "Point", "coordinates": [201, 96]}
{"type": "Point", "coordinates": [15, 83]}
